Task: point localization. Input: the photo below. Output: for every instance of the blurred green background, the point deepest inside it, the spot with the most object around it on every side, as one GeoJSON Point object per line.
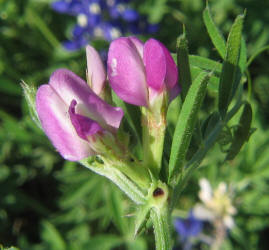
{"type": "Point", "coordinates": [47, 203]}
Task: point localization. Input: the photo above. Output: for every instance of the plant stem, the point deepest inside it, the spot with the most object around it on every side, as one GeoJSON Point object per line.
{"type": "Point", "coordinates": [161, 223]}
{"type": "Point", "coordinates": [126, 185]}
{"type": "Point", "coordinates": [138, 174]}
{"type": "Point", "coordinates": [220, 235]}
{"type": "Point", "coordinates": [153, 139]}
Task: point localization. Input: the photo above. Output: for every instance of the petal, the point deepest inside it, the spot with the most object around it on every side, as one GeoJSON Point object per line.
{"type": "Point", "coordinates": [138, 44]}
{"type": "Point", "coordinates": [205, 193]}
{"type": "Point", "coordinates": [171, 76]}
{"type": "Point", "coordinates": [110, 116]}
{"type": "Point", "coordinates": [61, 6]}
{"type": "Point", "coordinates": [130, 15]}
{"type": "Point", "coordinates": [228, 221]}
{"type": "Point", "coordinates": [155, 63]}
{"type": "Point", "coordinates": [203, 213]}
{"type": "Point", "coordinates": [84, 126]}
{"type": "Point", "coordinates": [126, 72]}
{"type": "Point", "coordinates": [95, 70]}
{"type": "Point", "coordinates": [181, 228]}
{"type": "Point", "coordinates": [53, 114]}
{"type": "Point", "coordinates": [69, 86]}
{"type": "Point", "coordinates": [174, 92]}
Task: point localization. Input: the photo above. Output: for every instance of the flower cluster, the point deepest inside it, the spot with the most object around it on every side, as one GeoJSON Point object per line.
{"type": "Point", "coordinates": [216, 204]}
{"type": "Point", "coordinates": [104, 19]}
{"type": "Point", "coordinates": [74, 114]}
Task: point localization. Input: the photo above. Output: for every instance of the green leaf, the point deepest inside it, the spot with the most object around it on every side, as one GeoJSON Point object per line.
{"type": "Point", "coordinates": [30, 95]}
{"type": "Point", "coordinates": [76, 194]}
{"type": "Point", "coordinates": [242, 132]}
{"type": "Point", "coordinates": [141, 217]}
{"type": "Point", "coordinates": [215, 35]}
{"type": "Point", "coordinates": [8, 248]}
{"type": "Point", "coordinates": [9, 87]}
{"type": "Point", "coordinates": [213, 83]}
{"type": "Point", "coordinates": [185, 125]}
{"type": "Point", "coordinates": [199, 64]}
{"type": "Point", "coordinates": [243, 56]}
{"type": "Point", "coordinates": [156, 13]}
{"type": "Point", "coordinates": [210, 123]}
{"type": "Point", "coordinates": [117, 211]}
{"type": "Point", "coordinates": [104, 242]}
{"type": "Point", "coordinates": [230, 66]}
{"type": "Point", "coordinates": [137, 244]}
{"type": "Point", "coordinates": [183, 65]}
{"type": "Point", "coordinates": [205, 63]}
{"type": "Point", "coordinates": [52, 237]}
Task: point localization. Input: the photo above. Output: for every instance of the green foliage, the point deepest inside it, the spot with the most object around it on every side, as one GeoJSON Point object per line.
{"type": "Point", "coordinates": [185, 126]}
{"type": "Point", "coordinates": [215, 35]}
{"type": "Point", "coordinates": [47, 203]}
{"type": "Point", "coordinates": [228, 81]}
{"type": "Point", "coordinates": [184, 74]}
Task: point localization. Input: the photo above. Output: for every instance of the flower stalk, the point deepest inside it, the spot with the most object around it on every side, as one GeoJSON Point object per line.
{"type": "Point", "coordinates": [160, 216]}
{"type": "Point", "coordinates": [154, 125]}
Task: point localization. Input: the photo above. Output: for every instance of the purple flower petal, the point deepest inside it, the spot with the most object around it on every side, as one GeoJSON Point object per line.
{"type": "Point", "coordinates": [155, 64]}
{"type": "Point", "coordinates": [75, 44]}
{"type": "Point", "coordinates": [138, 44]}
{"type": "Point", "coordinates": [126, 72]}
{"type": "Point", "coordinates": [84, 126]}
{"type": "Point", "coordinates": [69, 86]}
{"type": "Point", "coordinates": [171, 69]}
{"type": "Point", "coordinates": [189, 227]}
{"type": "Point", "coordinates": [174, 92]}
{"type": "Point", "coordinates": [96, 71]}
{"type": "Point", "coordinates": [53, 114]}
{"type": "Point", "coordinates": [130, 15]}
{"type": "Point", "coordinates": [71, 8]}
{"type": "Point", "coordinates": [61, 6]}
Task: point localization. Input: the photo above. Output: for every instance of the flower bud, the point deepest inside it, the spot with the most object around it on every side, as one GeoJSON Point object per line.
{"type": "Point", "coordinates": [139, 72]}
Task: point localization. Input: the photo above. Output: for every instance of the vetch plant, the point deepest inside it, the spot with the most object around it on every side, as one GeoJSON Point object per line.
{"type": "Point", "coordinates": [84, 125]}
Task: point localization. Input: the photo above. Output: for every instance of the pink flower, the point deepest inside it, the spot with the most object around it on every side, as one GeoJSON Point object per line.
{"type": "Point", "coordinates": [96, 73]}
{"type": "Point", "coordinates": [139, 72]}
{"type": "Point", "coordinates": [71, 113]}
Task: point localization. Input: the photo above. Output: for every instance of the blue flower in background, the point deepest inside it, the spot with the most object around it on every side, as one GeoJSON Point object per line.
{"type": "Point", "coordinates": [103, 19]}
{"type": "Point", "coordinates": [188, 228]}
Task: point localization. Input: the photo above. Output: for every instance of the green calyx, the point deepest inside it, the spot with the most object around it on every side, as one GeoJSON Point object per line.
{"type": "Point", "coordinates": [158, 195]}
{"type": "Point", "coordinates": [154, 125]}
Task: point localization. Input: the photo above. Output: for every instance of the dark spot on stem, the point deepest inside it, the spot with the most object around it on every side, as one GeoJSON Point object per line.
{"type": "Point", "coordinates": [158, 192]}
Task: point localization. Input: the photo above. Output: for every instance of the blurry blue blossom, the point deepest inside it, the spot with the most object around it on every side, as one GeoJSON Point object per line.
{"type": "Point", "coordinates": [189, 227]}
{"type": "Point", "coordinates": [103, 19]}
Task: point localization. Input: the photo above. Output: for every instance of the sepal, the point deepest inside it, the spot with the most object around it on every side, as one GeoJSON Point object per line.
{"type": "Point", "coordinates": [30, 96]}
